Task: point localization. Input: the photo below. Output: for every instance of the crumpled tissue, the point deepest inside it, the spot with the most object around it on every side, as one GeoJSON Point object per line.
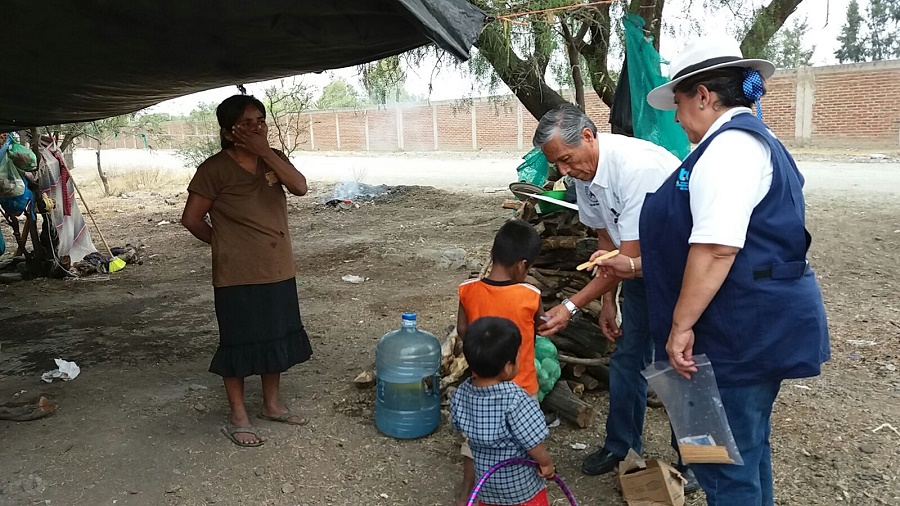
{"type": "Point", "coordinates": [66, 371]}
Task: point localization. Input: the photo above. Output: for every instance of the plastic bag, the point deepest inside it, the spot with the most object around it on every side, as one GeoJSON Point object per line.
{"type": "Point", "coordinates": [535, 168]}
{"type": "Point", "coordinates": [22, 158]}
{"type": "Point", "coordinates": [696, 412]}
{"type": "Point", "coordinates": [546, 362]}
{"type": "Point", "coordinates": [620, 119]}
{"type": "Point", "coordinates": [11, 183]}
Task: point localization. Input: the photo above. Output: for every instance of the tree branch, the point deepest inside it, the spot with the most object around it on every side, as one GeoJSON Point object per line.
{"type": "Point", "coordinates": [522, 77]}
{"type": "Point", "coordinates": [574, 56]}
{"type": "Point", "coordinates": [766, 22]}
{"type": "Point", "coordinates": [595, 54]}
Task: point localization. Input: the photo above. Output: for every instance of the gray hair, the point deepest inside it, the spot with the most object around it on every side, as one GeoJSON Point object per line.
{"type": "Point", "coordinates": [567, 121]}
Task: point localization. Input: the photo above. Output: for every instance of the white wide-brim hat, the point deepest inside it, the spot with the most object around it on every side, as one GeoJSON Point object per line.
{"type": "Point", "coordinates": [704, 54]}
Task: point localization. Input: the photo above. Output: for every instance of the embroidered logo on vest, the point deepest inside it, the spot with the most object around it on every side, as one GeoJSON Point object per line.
{"type": "Point", "coordinates": [592, 199]}
{"type": "Point", "coordinates": [683, 179]}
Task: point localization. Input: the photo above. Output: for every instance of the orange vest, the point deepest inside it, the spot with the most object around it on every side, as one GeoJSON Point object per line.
{"type": "Point", "coordinates": [517, 302]}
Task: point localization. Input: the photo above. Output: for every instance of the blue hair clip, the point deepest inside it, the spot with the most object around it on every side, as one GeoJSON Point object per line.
{"type": "Point", "coordinates": [753, 89]}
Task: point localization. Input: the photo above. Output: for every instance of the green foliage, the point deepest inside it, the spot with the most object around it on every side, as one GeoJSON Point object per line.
{"type": "Point", "coordinates": [383, 79]}
{"type": "Point", "coordinates": [338, 94]}
{"type": "Point", "coordinates": [786, 49]}
{"type": "Point", "coordinates": [202, 141]}
{"type": "Point", "coordinates": [853, 48]}
{"type": "Point", "coordinates": [883, 30]}
{"type": "Point", "coordinates": [874, 36]}
{"type": "Point", "coordinates": [285, 103]}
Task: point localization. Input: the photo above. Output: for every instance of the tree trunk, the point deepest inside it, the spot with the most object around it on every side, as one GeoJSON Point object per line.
{"type": "Point", "coordinates": [573, 43]}
{"type": "Point", "coordinates": [766, 22]}
{"type": "Point", "coordinates": [103, 178]}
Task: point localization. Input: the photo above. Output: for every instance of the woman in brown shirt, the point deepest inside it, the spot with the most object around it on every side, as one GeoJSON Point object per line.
{"type": "Point", "coordinates": [260, 331]}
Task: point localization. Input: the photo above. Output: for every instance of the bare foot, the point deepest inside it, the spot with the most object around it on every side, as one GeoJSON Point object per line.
{"type": "Point", "coordinates": [278, 412]}
{"type": "Point", "coordinates": [245, 438]}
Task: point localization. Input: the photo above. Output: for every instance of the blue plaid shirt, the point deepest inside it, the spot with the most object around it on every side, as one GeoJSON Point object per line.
{"type": "Point", "coordinates": [501, 421]}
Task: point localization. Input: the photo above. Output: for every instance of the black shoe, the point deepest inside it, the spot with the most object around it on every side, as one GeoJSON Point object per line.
{"type": "Point", "coordinates": [691, 484]}
{"type": "Point", "coordinates": [601, 461]}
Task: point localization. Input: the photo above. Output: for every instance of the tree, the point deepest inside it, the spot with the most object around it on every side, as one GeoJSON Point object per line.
{"type": "Point", "coordinates": [338, 94]}
{"type": "Point", "coordinates": [285, 103]}
{"type": "Point", "coordinates": [383, 79]}
{"type": "Point", "coordinates": [852, 45]}
{"type": "Point", "coordinates": [203, 141]}
{"type": "Point", "coordinates": [519, 53]}
{"type": "Point", "coordinates": [786, 49]}
{"type": "Point", "coordinates": [883, 31]}
{"type": "Point", "coordinates": [102, 131]}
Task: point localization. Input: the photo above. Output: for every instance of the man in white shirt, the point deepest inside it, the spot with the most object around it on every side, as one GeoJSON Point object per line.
{"type": "Point", "coordinates": [613, 173]}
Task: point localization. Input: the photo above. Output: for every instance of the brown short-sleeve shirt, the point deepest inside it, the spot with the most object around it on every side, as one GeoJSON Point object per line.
{"type": "Point", "coordinates": [251, 242]}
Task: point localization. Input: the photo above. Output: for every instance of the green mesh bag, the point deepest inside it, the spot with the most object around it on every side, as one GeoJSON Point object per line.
{"type": "Point", "coordinates": [650, 124]}
{"type": "Point", "coordinates": [546, 361]}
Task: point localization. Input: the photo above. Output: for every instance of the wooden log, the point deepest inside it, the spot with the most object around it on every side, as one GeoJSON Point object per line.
{"type": "Point", "coordinates": [512, 204]}
{"type": "Point", "coordinates": [562, 401]}
{"type": "Point", "coordinates": [571, 347]}
{"type": "Point", "coordinates": [581, 361]}
{"type": "Point", "coordinates": [589, 382]}
{"type": "Point", "coordinates": [588, 336]}
{"type": "Point", "coordinates": [585, 380]}
{"type": "Point", "coordinates": [601, 372]}
{"type": "Point", "coordinates": [576, 387]}
{"type": "Point", "coordinates": [365, 379]}
{"type": "Point", "coordinates": [559, 242]}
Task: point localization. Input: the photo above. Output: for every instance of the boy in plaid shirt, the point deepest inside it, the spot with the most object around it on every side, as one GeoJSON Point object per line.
{"type": "Point", "coordinates": [500, 420]}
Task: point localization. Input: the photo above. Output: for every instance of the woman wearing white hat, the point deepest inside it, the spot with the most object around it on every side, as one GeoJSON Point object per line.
{"type": "Point", "coordinates": [723, 255]}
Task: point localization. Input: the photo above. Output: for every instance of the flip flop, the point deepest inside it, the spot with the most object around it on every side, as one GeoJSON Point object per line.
{"type": "Point", "coordinates": [230, 430]}
{"type": "Point", "coordinates": [284, 418]}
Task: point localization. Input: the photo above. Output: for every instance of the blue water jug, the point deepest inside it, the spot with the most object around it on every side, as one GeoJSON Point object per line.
{"type": "Point", "coordinates": [407, 386]}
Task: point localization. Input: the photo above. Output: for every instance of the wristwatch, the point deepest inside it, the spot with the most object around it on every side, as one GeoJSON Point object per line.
{"type": "Point", "coordinates": [573, 309]}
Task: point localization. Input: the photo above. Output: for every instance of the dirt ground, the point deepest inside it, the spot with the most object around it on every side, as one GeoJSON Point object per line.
{"type": "Point", "coordinates": [139, 426]}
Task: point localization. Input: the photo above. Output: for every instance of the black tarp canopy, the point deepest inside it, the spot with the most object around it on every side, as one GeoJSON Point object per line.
{"type": "Point", "coordinates": [82, 60]}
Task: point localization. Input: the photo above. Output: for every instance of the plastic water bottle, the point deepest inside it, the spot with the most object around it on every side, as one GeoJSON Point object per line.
{"type": "Point", "coordinates": [407, 367]}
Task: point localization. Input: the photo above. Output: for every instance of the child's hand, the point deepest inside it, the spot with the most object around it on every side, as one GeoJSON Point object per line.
{"type": "Point", "coordinates": [547, 471]}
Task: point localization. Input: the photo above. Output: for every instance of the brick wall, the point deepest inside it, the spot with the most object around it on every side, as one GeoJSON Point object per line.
{"type": "Point", "coordinates": [856, 104]}
{"type": "Point", "coordinates": [841, 105]}
{"type": "Point", "coordinates": [779, 104]}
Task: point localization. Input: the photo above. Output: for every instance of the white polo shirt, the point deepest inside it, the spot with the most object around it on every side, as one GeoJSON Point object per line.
{"type": "Point", "coordinates": [628, 169]}
{"type": "Point", "coordinates": [728, 181]}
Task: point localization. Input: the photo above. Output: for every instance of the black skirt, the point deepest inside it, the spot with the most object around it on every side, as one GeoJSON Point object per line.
{"type": "Point", "coordinates": [260, 331]}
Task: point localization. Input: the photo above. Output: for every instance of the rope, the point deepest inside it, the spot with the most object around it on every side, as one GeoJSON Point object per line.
{"type": "Point", "coordinates": [510, 18]}
{"type": "Point", "coordinates": [753, 89]}
{"type": "Point", "coordinates": [522, 462]}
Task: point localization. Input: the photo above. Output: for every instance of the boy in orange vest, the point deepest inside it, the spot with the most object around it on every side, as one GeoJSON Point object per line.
{"type": "Point", "coordinates": [504, 294]}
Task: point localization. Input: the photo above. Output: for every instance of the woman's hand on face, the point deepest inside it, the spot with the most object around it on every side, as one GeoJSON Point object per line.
{"type": "Point", "coordinates": [680, 348]}
{"type": "Point", "coordinates": [252, 139]}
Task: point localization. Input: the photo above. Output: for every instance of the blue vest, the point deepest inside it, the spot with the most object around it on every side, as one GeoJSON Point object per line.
{"type": "Point", "coordinates": [768, 320]}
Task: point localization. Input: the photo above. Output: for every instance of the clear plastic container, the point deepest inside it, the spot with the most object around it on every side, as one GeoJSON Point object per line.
{"type": "Point", "coordinates": [407, 386]}
{"type": "Point", "coordinates": [696, 412]}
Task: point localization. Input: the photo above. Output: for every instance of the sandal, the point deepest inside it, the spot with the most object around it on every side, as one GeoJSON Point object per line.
{"type": "Point", "coordinates": [230, 430]}
{"type": "Point", "coordinates": [283, 418]}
